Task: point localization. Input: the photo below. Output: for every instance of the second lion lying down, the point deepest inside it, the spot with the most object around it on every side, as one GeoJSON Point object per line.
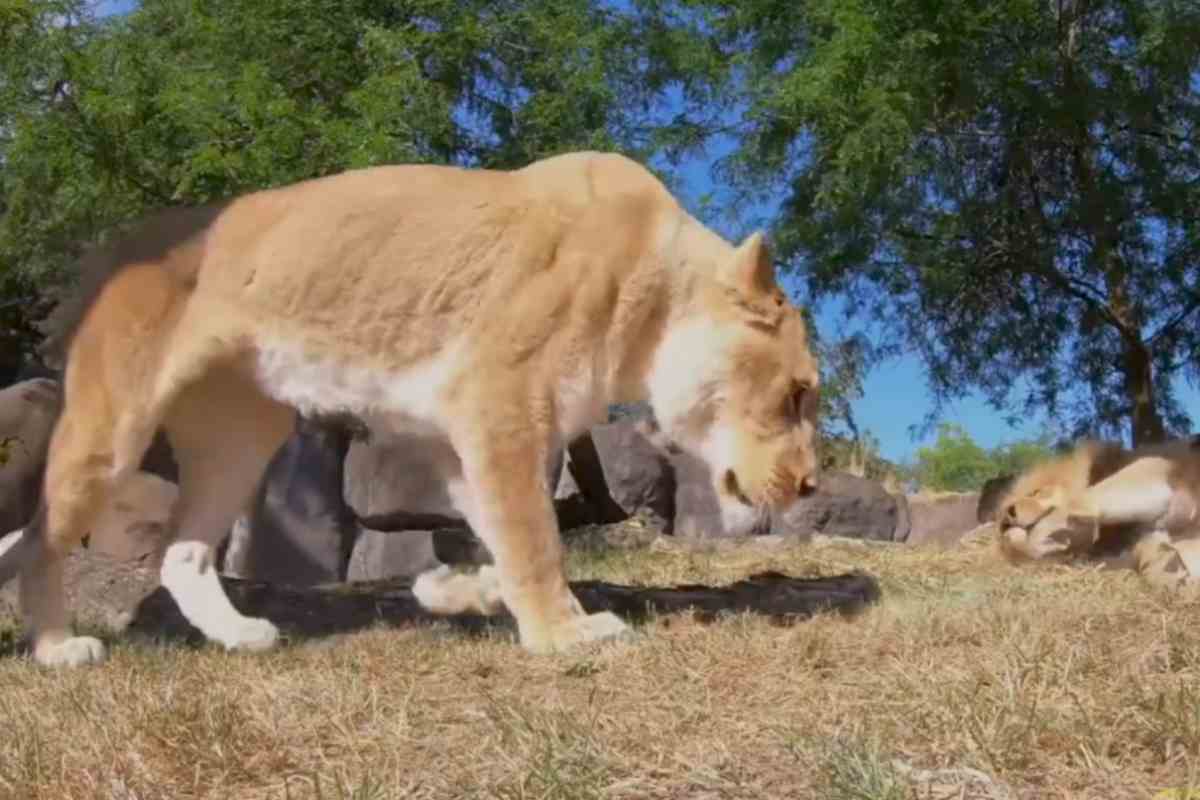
{"type": "Point", "coordinates": [1135, 508]}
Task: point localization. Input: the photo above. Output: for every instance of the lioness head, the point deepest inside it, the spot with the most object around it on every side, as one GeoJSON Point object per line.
{"type": "Point", "coordinates": [736, 384]}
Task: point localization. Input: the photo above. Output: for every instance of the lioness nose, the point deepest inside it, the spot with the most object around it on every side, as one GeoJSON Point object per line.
{"type": "Point", "coordinates": [808, 485]}
{"type": "Point", "coordinates": [1009, 514]}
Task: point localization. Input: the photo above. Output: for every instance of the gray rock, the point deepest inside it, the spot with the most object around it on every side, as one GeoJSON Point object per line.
{"type": "Point", "coordinates": [638, 475]}
{"type": "Point", "coordinates": [582, 495]}
{"type": "Point", "coordinates": [136, 521]}
{"type": "Point", "coordinates": [404, 554]}
{"type": "Point", "coordinates": [393, 483]}
{"type": "Point", "coordinates": [28, 411]}
{"type": "Point", "coordinates": [942, 520]}
{"type": "Point", "coordinates": [844, 505]}
{"type": "Point", "coordinates": [300, 529]}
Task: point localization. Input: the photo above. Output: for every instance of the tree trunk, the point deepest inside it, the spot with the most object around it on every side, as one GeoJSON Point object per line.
{"type": "Point", "coordinates": [1101, 220]}
{"type": "Point", "coordinates": [1146, 425]}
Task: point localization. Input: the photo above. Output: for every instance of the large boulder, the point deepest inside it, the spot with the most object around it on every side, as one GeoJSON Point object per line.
{"type": "Point", "coordinates": [392, 483]}
{"type": "Point", "coordinates": [582, 496]}
{"type": "Point", "coordinates": [136, 521]}
{"type": "Point", "coordinates": [299, 530]}
{"type": "Point", "coordinates": [613, 472]}
{"type": "Point", "coordinates": [379, 556]}
{"type": "Point", "coordinates": [638, 474]}
{"type": "Point", "coordinates": [942, 519]}
{"type": "Point", "coordinates": [28, 411]}
{"type": "Point", "coordinates": [845, 505]}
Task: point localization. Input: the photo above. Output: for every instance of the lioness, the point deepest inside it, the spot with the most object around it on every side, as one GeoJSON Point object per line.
{"type": "Point", "coordinates": [500, 312]}
{"type": "Point", "coordinates": [1138, 508]}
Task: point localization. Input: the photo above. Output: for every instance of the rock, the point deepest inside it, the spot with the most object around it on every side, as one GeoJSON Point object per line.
{"type": "Point", "coordinates": [394, 483]}
{"type": "Point", "coordinates": [582, 495]}
{"type": "Point", "coordinates": [942, 519]}
{"type": "Point", "coordinates": [100, 590]}
{"type": "Point", "coordinates": [638, 475]}
{"type": "Point", "coordinates": [844, 505]}
{"type": "Point", "coordinates": [990, 495]}
{"type": "Point", "coordinates": [300, 528]}
{"type": "Point", "coordinates": [136, 522]}
{"type": "Point", "coordinates": [379, 556]}
{"type": "Point", "coordinates": [28, 411]}
{"type": "Point", "coordinates": [697, 510]}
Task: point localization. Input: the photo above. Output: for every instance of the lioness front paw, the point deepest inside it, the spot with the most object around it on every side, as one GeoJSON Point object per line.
{"type": "Point", "coordinates": [73, 652]}
{"type": "Point", "coordinates": [251, 634]}
{"type": "Point", "coordinates": [576, 631]}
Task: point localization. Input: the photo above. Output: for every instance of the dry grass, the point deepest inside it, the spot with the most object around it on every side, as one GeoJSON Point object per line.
{"type": "Point", "coordinates": [972, 680]}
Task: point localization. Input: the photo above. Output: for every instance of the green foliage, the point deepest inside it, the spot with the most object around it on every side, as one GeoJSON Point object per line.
{"type": "Point", "coordinates": [1009, 188]}
{"type": "Point", "coordinates": [956, 463]}
{"type": "Point", "coordinates": [1016, 457]}
{"type": "Point", "coordinates": [185, 101]}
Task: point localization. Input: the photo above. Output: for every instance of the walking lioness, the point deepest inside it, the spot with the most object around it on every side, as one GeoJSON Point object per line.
{"type": "Point", "coordinates": [501, 312]}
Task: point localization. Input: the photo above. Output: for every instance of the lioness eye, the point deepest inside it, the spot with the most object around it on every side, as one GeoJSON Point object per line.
{"type": "Point", "coordinates": [795, 400]}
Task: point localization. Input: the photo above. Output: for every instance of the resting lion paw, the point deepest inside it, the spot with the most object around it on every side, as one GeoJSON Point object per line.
{"type": "Point", "coordinates": [73, 652]}
{"type": "Point", "coordinates": [1167, 564]}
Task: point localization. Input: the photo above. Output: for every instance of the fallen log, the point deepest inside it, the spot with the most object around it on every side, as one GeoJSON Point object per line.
{"type": "Point", "coordinates": [340, 608]}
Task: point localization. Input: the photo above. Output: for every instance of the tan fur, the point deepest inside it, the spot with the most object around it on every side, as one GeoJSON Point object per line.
{"type": "Point", "coordinates": [499, 311]}
{"type": "Point", "coordinates": [1137, 508]}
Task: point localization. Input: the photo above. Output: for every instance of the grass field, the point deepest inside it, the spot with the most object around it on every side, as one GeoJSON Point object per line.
{"type": "Point", "coordinates": [971, 680]}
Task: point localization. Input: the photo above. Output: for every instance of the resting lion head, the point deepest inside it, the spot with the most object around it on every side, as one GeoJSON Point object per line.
{"type": "Point", "coordinates": [1043, 515]}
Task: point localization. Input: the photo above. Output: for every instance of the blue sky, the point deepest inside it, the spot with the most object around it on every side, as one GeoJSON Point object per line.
{"type": "Point", "coordinates": [895, 400]}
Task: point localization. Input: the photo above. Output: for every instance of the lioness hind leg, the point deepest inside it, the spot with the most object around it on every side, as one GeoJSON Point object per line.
{"type": "Point", "coordinates": [88, 458]}
{"type": "Point", "coordinates": [512, 512]}
{"type": "Point", "coordinates": [223, 432]}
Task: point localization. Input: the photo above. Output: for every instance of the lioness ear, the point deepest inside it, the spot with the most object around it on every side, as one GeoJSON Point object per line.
{"type": "Point", "coordinates": [749, 270]}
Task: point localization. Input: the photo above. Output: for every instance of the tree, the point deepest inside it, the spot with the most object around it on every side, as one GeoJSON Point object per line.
{"type": "Point", "coordinates": [1016, 457]}
{"type": "Point", "coordinates": [956, 463]}
{"type": "Point", "coordinates": [185, 101]}
{"type": "Point", "coordinates": [1009, 187]}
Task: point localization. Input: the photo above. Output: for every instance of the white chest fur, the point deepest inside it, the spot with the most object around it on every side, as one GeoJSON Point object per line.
{"type": "Point", "coordinates": [403, 401]}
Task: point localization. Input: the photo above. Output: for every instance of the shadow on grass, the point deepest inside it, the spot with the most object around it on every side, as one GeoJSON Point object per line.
{"type": "Point", "coordinates": [306, 613]}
